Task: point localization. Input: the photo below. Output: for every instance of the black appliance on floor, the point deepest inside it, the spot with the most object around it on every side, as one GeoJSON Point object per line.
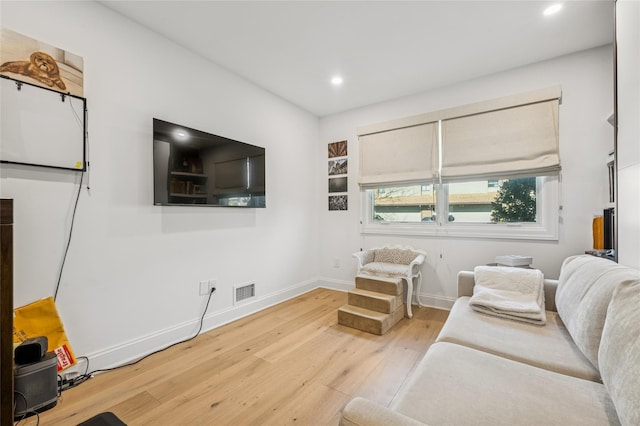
{"type": "Point", "coordinates": [35, 377]}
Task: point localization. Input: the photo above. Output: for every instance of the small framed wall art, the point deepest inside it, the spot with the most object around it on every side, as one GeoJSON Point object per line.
{"type": "Point", "coordinates": [338, 167]}
{"type": "Point", "coordinates": [338, 202]}
{"type": "Point", "coordinates": [338, 149]}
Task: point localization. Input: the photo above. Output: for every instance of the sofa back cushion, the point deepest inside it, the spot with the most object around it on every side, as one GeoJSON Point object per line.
{"type": "Point", "coordinates": [394, 255]}
{"type": "Point", "coordinates": [585, 287]}
{"type": "Point", "coordinates": [619, 354]}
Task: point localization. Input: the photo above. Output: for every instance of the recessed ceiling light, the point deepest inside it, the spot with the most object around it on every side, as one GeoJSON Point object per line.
{"type": "Point", "coordinates": [553, 9]}
{"type": "Point", "coordinates": [336, 80]}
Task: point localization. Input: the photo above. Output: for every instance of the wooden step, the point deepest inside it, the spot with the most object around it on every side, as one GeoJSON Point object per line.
{"type": "Point", "coordinates": [379, 302]}
{"type": "Point", "coordinates": [392, 286]}
{"type": "Point", "coordinates": [367, 320]}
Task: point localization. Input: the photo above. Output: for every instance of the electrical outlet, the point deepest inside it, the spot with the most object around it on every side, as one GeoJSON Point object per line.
{"type": "Point", "coordinates": [212, 285]}
{"type": "Point", "coordinates": [336, 263]}
{"type": "Point", "coordinates": [204, 288]}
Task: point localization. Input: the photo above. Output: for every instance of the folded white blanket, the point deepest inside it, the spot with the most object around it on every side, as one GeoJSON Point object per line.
{"type": "Point", "coordinates": [512, 293]}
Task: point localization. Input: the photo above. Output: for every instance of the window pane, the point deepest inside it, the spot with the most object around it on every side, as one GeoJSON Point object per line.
{"type": "Point", "coordinates": [412, 203]}
{"type": "Point", "coordinates": [504, 201]}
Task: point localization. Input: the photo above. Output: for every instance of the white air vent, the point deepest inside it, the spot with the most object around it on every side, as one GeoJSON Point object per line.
{"type": "Point", "coordinates": [243, 292]}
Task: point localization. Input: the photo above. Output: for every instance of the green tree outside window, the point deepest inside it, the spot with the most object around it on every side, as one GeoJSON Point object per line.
{"type": "Point", "coordinates": [515, 201]}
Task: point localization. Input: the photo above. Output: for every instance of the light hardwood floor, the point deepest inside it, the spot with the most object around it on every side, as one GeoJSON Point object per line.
{"type": "Point", "coordinates": [289, 364]}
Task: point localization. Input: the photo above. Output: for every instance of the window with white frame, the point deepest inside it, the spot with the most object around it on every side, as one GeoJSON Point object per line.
{"type": "Point", "coordinates": [488, 169]}
{"type": "Point", "coordinates": [507, 201]}
{"type": "Point", "coordinates": [404, 203]}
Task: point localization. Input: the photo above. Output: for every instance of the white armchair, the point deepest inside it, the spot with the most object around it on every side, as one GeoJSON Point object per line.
{"type": "Point", "coordinates": [395, 262]}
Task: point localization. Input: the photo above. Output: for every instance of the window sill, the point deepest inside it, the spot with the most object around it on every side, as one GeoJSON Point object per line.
{"type": "Point", "coordinates": [464, 230]}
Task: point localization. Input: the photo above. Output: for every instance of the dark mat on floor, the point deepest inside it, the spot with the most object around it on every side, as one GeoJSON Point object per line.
{"type": "Point", "coordinates": [103, 419]}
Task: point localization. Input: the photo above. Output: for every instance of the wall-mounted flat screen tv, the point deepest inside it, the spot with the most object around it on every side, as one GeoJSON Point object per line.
{"type": "Point", "coordinates": [195, 168]}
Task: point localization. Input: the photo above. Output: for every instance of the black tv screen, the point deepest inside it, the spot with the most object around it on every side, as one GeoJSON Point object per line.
{"type": "Point", "coordinates": [191, 167]}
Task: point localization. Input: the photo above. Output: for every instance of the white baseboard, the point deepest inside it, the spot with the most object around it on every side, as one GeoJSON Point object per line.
{"type": "Point", "coordinates": [333, 284]}
{"type": "Point", "coordinates": [430, 300]}
{"type": "Point", "coordinates": [129, 351]}
{"type": "Point", "coordinates": [438, 302]}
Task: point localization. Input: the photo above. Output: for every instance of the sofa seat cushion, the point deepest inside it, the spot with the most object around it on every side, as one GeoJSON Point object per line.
{"type": "Point", "coordinates": [550, 346]}
{"type": "Point", "coordinates": [362, 412]}
{"type": "Point", "coordinates": [585, 287]}
{"type": "Point", "coordinates": [386, 269]}
{"type": "Point", "coordinates": [457, 385]}
{"type": "Point", "coordinates": [619, 354]}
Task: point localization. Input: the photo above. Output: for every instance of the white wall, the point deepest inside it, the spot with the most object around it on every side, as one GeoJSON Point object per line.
{"type": "Point", "coordinates": [586, 138]}
{"type": "Point", "coordinates": [628, 149]}
{"type": "Point", "coordinates": [131, 279]}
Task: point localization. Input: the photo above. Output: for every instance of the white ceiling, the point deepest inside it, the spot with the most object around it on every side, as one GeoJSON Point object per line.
{"type": "Point", "coordinates": [382, 49]}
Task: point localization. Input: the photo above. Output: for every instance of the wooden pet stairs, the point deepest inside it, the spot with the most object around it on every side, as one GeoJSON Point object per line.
{"type": "Point", "coordinates": [375, 305]}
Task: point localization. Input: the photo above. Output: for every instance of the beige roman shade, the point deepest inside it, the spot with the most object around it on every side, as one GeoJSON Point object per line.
{"type": "Point", "coordinates": [505, 137]}
{"type": "Point", "coordinates": [516, 141]}
{"type": "Point", "coordinates": [401, 155]}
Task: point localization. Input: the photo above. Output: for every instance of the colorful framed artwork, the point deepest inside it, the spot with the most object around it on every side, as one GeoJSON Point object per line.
{"type": "Point", "coordinates": [338, 149]}
{"type": "Point", "coordinates": [35, 62]}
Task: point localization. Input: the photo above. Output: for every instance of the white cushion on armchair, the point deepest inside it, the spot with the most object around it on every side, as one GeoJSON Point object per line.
{"type": "Point", "coordinates": [386, 269]}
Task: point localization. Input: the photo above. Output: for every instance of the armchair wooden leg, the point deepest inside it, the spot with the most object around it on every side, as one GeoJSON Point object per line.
{"type": "Point", "coordinates": [418, 288]}
{"type": "Point", "coordinates": [409, 296]}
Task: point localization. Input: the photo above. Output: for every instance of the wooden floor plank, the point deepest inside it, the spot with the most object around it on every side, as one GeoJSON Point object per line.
{"type": "Point", "coordinates": [316, 404]}
{"type": "Point", "coordinates": [288, 364]}
{"type": "Point", "coordinates": [135, 406]}
{"type": "Point", "coordinates": [382, 384]}
{"type": "Point", "coordinates": [289, 343]}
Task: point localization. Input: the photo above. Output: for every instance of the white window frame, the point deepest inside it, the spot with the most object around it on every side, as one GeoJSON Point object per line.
{"type": "Point", "coordinates": [545, 228]}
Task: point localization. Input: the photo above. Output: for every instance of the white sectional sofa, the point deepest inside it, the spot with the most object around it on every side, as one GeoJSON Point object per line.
{"type": "Point", "coordinates": [581, 368]}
